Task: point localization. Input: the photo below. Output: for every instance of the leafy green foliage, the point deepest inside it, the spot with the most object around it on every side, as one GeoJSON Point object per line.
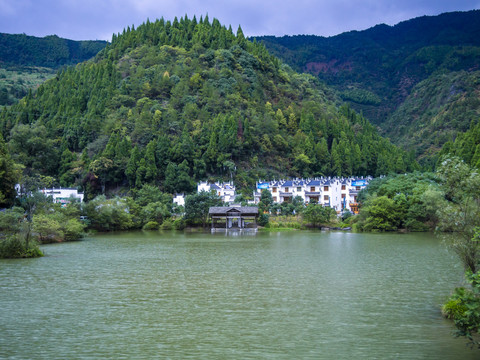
{"type": "Point", "coordinates": [316, 214]}
{"type": "Point", "coordinates": [263, 219]}
{"type": "Point", "coordinates": [463, 307]}
{"type": "Point", "coordinates": [171, 103]}
{"type": "Point", "coordinates": [9, 176]}
{"type": "Point", "coordinates": [109, 214]}
{"type": "Point", "coordinates": [461, 215]}
{"type": "Point", "coordinates": [409, 201]}
{"type": "Point", "coordinates": [15, 246]}
{"type": "Point", "coordinates": [198, 205]}
{"type": "Point", "coordinates": [266, 201]}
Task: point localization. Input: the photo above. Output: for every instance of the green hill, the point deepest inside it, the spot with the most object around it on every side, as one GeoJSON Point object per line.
{"type": "Point", "coordinates": [27, 61]}
{"type": "Point", "coordinates": [377, 70]}
{"type": "Point", "coordinates": [173, 102]}
{"type": "Point", "coordinates": [435, 112]}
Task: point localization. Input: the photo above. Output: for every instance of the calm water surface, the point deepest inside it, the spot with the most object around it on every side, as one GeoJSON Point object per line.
{"type": "Point", "coordinates": [289, 295]}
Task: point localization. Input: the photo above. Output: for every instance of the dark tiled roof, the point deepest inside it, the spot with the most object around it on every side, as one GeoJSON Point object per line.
{"type": "Point", "coordinates": [231, 209]}
{"type": "Point", "coordinates": [314, 183]}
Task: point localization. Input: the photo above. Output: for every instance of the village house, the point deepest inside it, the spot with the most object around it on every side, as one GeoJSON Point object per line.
{"type": "Point", "coordinates": [63, 195]}
{"type": "Point", "coordinates": [226, 191]}
{"type": "Point", "coordinates": [338, 193]}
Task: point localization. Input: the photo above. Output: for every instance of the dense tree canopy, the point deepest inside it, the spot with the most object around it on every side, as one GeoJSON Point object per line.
{"type": "Point", "coordinates": [417, 80]}
{"type": "Point", "coordinates": [173, 102]}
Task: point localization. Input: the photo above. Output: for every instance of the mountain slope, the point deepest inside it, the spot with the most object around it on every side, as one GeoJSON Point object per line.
{"type": "Point", "coordinates": [169, 102]}
{"type": "Point", "coordinates": [50, 51]}
{"type": "Point", "coordinates": [436, 110]}
{"type": "Point", "coordinates": [375, 70]}
{"type": "Point", "coordinates": [27, 61]}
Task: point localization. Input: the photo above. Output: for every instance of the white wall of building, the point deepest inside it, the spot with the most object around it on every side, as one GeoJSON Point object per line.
{"type": "Point", "coordinates": [337, 193]}
{"type": "Point", "coordinates": [63, 195]}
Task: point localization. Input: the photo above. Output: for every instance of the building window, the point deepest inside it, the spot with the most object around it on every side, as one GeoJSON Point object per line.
{"type": "Point", "coordinates": [286, 189]}
{"type": "Point", "coordinates": [299, 189]}
{"type": "Point", "coordinates": [274, 198]}
{"type": "Point", "coordinates": [344, 187]}
{"type": "Point", "coordinates": [325, 188]}
{"type": "Point", "coordinates": [343, 196]}
{"type": "Point", "coordinates": [274, 189]}
{"type": "Point", "coordinates": [312, 188]}
{"type": "Point", "coordinates": [357, 187]}
{"type": "Point", "coordinates": [325, 197]}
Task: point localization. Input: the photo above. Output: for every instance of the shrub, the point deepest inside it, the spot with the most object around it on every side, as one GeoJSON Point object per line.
{"type": "Point", "coordinates": [73, 230]}
{"type": "Point", "coordinates": [179, 224]}
{"type": "Point", "coordinates": [454, 309]}
{"type": "Point", "coordinates": [151, 225]}
{"type": "Point", "coordinates": [263, 219]}
{"type": "Point", "coordinates": [167, 225]}
{"type": "Point", "coordinates": [47, 228]}
{"type": "Point", "coordinates": [16, 246]}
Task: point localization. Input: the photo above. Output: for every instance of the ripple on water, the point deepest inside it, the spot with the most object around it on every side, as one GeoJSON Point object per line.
{"type": "Point", "coordinates": [200, 296]}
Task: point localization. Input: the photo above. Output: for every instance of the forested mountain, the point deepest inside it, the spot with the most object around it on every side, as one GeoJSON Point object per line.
{"type": "Point", "coordinates": [172, 102]}
{"type": "Point", "coordinates": [377, 71]}
{"type": "Point", "coordinates": [27, 61]}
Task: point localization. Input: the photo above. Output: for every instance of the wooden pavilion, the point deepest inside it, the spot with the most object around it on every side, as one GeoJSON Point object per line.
{"type": "Point", "coordinates": [234, 217]}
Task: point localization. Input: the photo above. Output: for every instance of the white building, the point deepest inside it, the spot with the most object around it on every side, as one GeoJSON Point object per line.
{"type": "Point", "coordinates": [63, 195]}
{"type": "Point", "coordinates": [224, 190]}
{"type": "Point", "coordinates": [179, 199]}
{"type": "Point", "coordinates": [338, 193]}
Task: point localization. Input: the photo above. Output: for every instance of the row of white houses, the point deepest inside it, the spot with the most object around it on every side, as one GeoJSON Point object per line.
{"type": "Point", "coordinates": [338, 193]}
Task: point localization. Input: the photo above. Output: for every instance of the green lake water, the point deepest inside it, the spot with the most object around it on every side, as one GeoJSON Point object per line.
{"type": "Point", "coordinates": [286, 295]}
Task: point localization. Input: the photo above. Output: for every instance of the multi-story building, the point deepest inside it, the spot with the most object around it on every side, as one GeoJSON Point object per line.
{"type": "Point", "coordinates": [338, 193]}
{"type": "Point", "coordinates": [63, 195]}
{"type": "Point", "coordinates": [225, 190]}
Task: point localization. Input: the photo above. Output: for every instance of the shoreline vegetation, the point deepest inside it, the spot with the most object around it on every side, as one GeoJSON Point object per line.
{"type": "Point", "coordinates": [404, 203]}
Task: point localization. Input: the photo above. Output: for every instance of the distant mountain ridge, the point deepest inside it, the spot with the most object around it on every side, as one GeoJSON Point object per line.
{"type": "Point", "coordinates": [27, 61]}
{"type": "Point", "coordinates": [49, 51]}
{"type": "Point", "coordinates": [375, 70]}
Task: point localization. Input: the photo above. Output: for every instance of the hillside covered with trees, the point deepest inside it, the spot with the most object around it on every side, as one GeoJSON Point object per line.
{"type": "Point", "coordinates": [389, 73]}
{"type": "Point", "coordinates": [27, 61]}
{"type": "Point", "coordinates": [173, 102]}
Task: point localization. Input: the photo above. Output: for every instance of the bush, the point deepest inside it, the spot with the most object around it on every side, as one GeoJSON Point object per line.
{"type": "Point", "coordinates": [47, 228]}
{"type": "Point", "coordinates": [263, 219]}
{"type": "Point", "coordinates": [167, 225]}
{"type": "Point", "coordinates": [346, 215]}
{"type": "Point", "coordinates": [73, 230]}
{"type": "Point", "coordinates": [151, 225]}
{"type": "Point", "coordinates": [179, 224]}
{"type": "Point", "coordinates": [15, 246]}
{"type": "Point", "coordinates": [454, 309]}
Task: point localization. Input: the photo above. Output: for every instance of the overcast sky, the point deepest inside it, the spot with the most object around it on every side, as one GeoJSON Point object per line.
{"type": "Point", "coordinates": [99, 19]}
